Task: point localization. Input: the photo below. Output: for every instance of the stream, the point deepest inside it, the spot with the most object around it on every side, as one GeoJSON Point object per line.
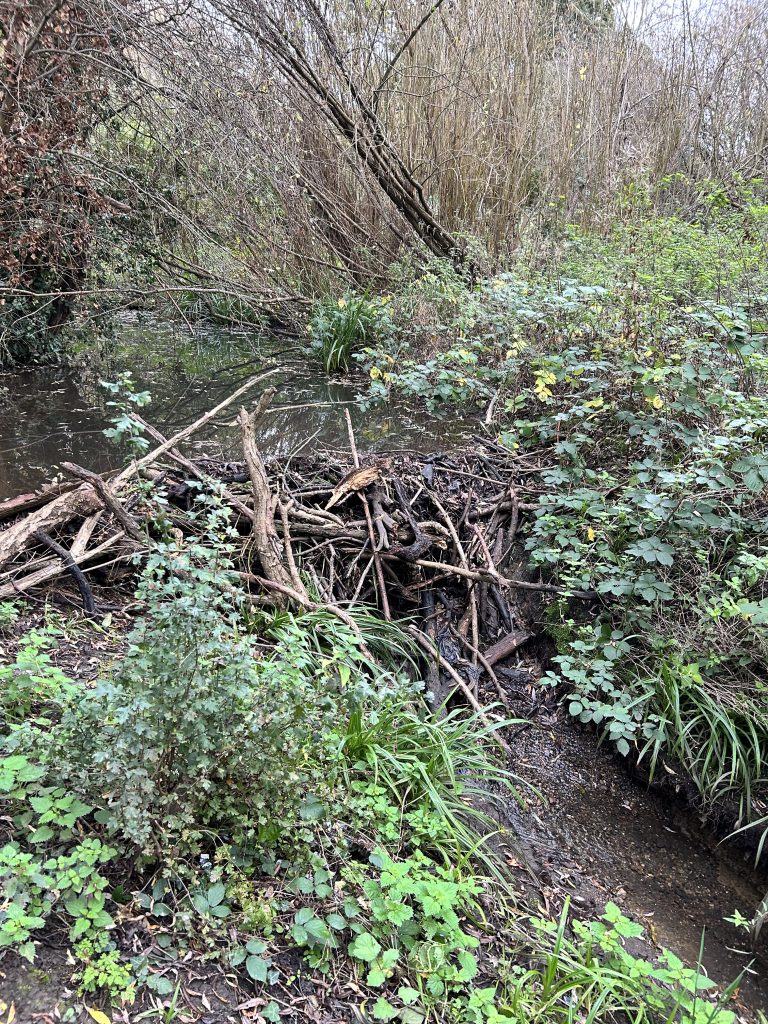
{"type": "Point", "coordinates": [595, 833]}
{"type": "Point", "coordinates": [54, 414]}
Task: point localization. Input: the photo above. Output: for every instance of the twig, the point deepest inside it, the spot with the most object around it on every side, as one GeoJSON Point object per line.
{"type": "Point", "coordinates": [369, 522]}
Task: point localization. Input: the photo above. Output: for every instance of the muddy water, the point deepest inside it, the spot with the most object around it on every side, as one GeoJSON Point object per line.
{"type": "Point", "coordinates": [54, 414]}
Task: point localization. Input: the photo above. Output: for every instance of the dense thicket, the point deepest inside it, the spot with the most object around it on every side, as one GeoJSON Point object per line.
{"type": "Point", "coordinates": [262, 150]}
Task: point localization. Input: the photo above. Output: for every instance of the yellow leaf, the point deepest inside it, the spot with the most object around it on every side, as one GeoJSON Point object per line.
{"type": "Point", "coordinates": [99, 1016]}
{"type": "Point", "coordinates": [590, 533]}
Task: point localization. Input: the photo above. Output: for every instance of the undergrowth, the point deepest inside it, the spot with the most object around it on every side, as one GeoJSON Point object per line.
{"type": "Point", "coordinates": [632, 369]}
{"type": "Point", "coordinates": [258, 785]}
{"type": "Point", "coordinates": [253, 783]}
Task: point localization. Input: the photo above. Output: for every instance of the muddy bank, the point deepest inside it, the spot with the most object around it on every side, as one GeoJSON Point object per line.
{"type": "Point", "coordinates": [598, 834]}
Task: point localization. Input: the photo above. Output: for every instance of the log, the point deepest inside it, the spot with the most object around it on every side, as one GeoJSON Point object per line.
{"type": "Point", "coordinates": [506, 646]}
{"type": "Point", "coordinates": [12, 507]}
{"type": "Point", "coordinates": [108, 498]}
{"type": "Point", "coordinates": [82, 502]}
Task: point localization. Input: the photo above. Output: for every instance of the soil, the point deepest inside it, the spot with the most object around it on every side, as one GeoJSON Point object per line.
{"type": "Point", "coordinates": [598, 834]}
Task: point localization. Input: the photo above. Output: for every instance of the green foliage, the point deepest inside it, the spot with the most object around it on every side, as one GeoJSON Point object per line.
{"type": "Point", "coordinates": [637, 360]}
{"type": "Point", "coordinates": [413, 915]}
{"type": "Point", "coordinates": [125, 430]}
{"type": "Point", "coordinates": [339, 327]}
{"type": "Point", "coordinates": [198, 730]}
{"type": "Point", "coordinates": [9, 614]}
{"type": "Point", "coordinates": [442, 767]}
{"type": "Point", "coordinates": [591, 975]}
{"type": "Point", "coordinates": [103, 971]}
{"type": "Point", "coordinates": [50, 867]}
{"type": "Point", "coordinates": [32, 683]}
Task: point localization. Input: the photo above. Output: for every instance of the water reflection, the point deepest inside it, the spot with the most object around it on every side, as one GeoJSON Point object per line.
{"type": "Point", "coordinates": [54, 414]}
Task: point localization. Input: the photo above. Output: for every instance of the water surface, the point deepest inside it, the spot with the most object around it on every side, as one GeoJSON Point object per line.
{"type": "Point", "coordinates": [53, 414]}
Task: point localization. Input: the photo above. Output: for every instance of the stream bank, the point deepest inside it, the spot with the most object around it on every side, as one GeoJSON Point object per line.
{"type": "Point", "coordinates": [597, 835]}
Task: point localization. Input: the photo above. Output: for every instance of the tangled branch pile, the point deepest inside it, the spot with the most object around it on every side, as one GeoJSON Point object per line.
{"type": "Point", "coordinates": [431, 540]}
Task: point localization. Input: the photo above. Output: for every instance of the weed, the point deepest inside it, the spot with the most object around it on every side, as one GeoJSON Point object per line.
{"type": "Point", "coordinates": [339, 327]}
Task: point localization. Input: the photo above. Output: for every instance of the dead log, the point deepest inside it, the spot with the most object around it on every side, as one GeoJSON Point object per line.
{"type": "Point", "coordinates": [82, 502]}
{"type": "Point", "coordinates": [506, 646]}
{"type": "Point", "coordinates": [23, 503]}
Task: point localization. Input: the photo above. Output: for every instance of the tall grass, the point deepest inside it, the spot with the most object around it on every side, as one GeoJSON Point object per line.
{"type": "Point", "coordinates": [339, 327]}
{"type": "Point", "coordinates": [448, 764]}
{"type": "Point", "coordinates": [720, 738]}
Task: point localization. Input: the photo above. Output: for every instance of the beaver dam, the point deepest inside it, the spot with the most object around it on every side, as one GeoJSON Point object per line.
{"type": "Point", "coordinates": [431, 543]}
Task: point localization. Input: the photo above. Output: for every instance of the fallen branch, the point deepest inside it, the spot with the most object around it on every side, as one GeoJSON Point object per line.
{"type": "Point", "coordinates": [89, 605]}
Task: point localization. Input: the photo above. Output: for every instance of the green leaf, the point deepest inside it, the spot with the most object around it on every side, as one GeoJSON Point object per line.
{"type": "Point", "coordinates": [42, 834]}
{"type": "Point", "coordinates": [376, 977]}
{"type": "Point", "coordinates": [407, 994]}
{"type": "Point", "coordinates": [255, 946]}
{"type": "Point", "coordinates": [41, 803]}
{"type": "Point", "coordinates": [216, 894]}
{"type": "Point", "coordinates": [384, 1010]}
{"type": "Point", "coordinates": [410, 1016]}
{"type": "Point", "coordinates": [365, 947]}
{"type": "Point", "coordinates": [311, 809]}
{"type": "Point", "coordinates": [200, 903]}
{"type": "Point", "coordinates": [257, 967]}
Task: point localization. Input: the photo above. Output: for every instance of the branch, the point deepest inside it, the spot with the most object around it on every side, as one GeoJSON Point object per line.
{"type": "Point", "coordinates": [391, 66]}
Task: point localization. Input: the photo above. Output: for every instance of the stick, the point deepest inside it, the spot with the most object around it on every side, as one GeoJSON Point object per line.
{"type": "Point", "coordinates": [85, 499]}
{"type": "Point", "coordinates": [264, 534]}
{"type": "Point", "coordinates": [481, 575]}
{"type": "Point", "coordinates": [53, 569]}
{"type": "Point", "coordinates": [110, 500]}
{"type": "Point", "coordinates": [194, 470]}
{"type": "Point", "coordinates": [506, 646]}
{"type": "Point", "coordinates": [369, 522]}
{"type": "Point", "coordinates": [89, 605]}
{"type": "Point", "coordinates": [182, 435]}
